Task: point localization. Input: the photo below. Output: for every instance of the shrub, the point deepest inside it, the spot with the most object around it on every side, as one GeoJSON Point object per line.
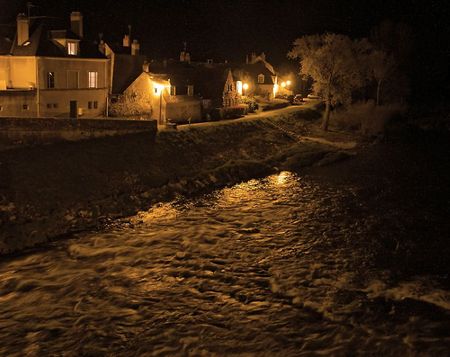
{"type": "Point", "coordinates": [367, 117]}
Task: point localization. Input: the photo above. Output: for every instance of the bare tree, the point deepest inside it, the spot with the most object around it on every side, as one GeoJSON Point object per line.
{"type": "Point", "coordinates": [396, 40]}
{"type": "Point", "coordinates": [381, 67]}
{"type": "Point", "coordinates": [333, 62]}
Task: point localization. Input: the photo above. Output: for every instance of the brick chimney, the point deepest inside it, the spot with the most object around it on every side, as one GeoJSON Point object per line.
{"type": "Point", "coordinates": [76, 23]}
{"type": "Point", "coordinates": [126, 41]}
{"type": "Point", "coordinates": [102, 46]}
{"type": "Point", "coordinates": [23, 29]}
{"type": "Point", "coordinates": [146, 66]}
{"type": "Point", "coordinates": [135, 47]}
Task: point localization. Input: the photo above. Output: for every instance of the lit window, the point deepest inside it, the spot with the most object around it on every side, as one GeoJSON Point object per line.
{"type": "Point", "coordinates": [1, 108]}
{"type": "Point", "coordinates": [173, 90]}
{"type": "Point", "coordinates": [190, 90]}
{"type": "Point", "coordinates": [50, 79]}
{"type": "Point", "coordinates": [261, 78]}
{"type": "Point", "coordinates": [239, 87]}
{"type": "Point", "coordinates": [93, 79]}
{"type": "Point", "coordinates": [72, 48]}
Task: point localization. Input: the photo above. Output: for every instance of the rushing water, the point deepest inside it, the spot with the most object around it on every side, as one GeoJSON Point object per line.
{"type": "Point", "coordinates": [276, 266]}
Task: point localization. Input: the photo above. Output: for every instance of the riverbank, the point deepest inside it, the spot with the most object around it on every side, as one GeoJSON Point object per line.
{"type": "Point", "coordinates": [52, 190]}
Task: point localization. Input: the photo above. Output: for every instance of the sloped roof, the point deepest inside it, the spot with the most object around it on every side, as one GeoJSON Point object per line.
{"type": "Point", "coordinates": [126, 69]}
{"type": "Point", "coordinates": [43, 31]}
{"type": "Point", "coordinates": [208, 79]}
{"type": "Point", "coordinates": [6, 38]}
{"type": "Point", "coordinates": [255, 69]}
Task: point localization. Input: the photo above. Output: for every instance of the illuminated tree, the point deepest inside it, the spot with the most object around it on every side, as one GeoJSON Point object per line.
{"type": "Point", "coordinates": [334, 63]}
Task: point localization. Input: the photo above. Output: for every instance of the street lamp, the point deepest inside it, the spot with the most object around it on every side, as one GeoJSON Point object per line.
{"type": "Point", "coordinates": [158, 90]}
{"type": "Point", "coordinates": [244, 88]}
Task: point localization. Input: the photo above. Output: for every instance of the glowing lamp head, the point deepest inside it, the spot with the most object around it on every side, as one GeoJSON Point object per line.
{"type": "Point", "coordinates": [283, 84]}
{"type": "Point", "coordinates": [288, 83]}
{"type": "Point", "coordinates": [158, 88]}
{"type": "Point", "coordinates": [245, 86]}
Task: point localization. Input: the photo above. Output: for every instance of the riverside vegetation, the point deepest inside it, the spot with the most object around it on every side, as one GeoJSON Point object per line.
{"type": "Point", "coordinates": [51, 190]}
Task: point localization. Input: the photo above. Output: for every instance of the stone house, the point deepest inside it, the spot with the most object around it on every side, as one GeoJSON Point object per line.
{"type": "Point", "coordinates": [49, 71]}
{"type": "Point", "coordinates": [259, 75]}
{"type": "Point", "coordinates": [152, 95]}
{"type": "Point", "coordinates": [181, 91]}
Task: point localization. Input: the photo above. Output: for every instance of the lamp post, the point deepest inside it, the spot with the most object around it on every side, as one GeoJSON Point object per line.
{"type": "Point", "coordinates": [158, 90]}
{"type": "Point", "coordinates": [160, 106]}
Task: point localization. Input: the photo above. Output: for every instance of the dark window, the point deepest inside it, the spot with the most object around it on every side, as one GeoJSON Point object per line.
{"type": "Point", "coordinates": [89, 105]}
{"type": "Point", "coordinates": [55, 105]}
{"type": "Point", "coordinates": [95, 105]}
{"type": "Point", "coordinates": [72, 79]}
{"type": "Point", "coordinates": [25, 107]}
{"type": "Point", "coordinates": [50, 79]}
{"type": "Point", "coordinates": [49, 105]}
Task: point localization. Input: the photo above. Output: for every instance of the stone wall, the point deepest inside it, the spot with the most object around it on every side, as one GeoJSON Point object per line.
{"type": "Point", "coordinates": [18, 103]}
{"type": "Point", "coordinates": [183, 109]}
{"type": "Point", "coordinates": [24, 131]}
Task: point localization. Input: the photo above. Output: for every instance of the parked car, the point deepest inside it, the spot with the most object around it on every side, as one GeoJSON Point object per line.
{"type": "Point", "coordinates": [298, 99]}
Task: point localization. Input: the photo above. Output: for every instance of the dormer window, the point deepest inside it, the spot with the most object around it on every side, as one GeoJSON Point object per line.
{"type": "Point", "coordinates": [72, 48]}
{"type": "Point", "coordinates": [261, 78]}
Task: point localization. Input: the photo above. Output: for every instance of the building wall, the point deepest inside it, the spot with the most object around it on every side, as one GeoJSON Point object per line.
{"type": "Point", "coordinates": [91, 102]}
{"type": "Point", "coordinates": [26, 72]}
{"type": "Point", "coordinates": [13, 103]}
{"type": "Point", "coordinates": [56, 103]}
{"type": "Point", "coordinates": [184, 110]}
{"type": "Point", "coordinates": [47, 130]}
{"type": "Point", "coordinates": [17, 72]}
{"type": "Point", "coordinates": [137, 99]}
{"type": "Point", "coordinates": [61, 67]}
{"type": "Point", "coordinates": [264, 90]}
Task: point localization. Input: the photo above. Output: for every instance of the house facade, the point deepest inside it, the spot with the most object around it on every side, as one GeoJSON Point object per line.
{"type": "Point", "coordinates": [49, 72]}
{"type": "Point", "coordinates": [151, 95]}
{"type": "Point", "coordinates": [259, 75]}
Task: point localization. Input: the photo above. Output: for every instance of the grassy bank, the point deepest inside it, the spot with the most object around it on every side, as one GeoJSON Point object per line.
{"type": "Point", "coordinates": [48, 191]}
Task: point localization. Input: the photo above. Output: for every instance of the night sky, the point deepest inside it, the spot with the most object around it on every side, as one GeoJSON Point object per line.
{"type": "Point", "coordinates": [231, 29]}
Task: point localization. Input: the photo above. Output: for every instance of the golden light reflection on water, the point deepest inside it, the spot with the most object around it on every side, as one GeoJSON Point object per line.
{"type": "Point", "coordinates": [283, 178]}
{"type": "Point", "coordinates": [163, 211]}
{"type": "Point", "coordinates": [252, 190]}
{"type": "Point", "coordinates": [244, 191]}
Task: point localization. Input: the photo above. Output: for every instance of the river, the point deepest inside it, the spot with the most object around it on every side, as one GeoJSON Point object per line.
{"type": "Point", "coordinates": [326, 261]}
